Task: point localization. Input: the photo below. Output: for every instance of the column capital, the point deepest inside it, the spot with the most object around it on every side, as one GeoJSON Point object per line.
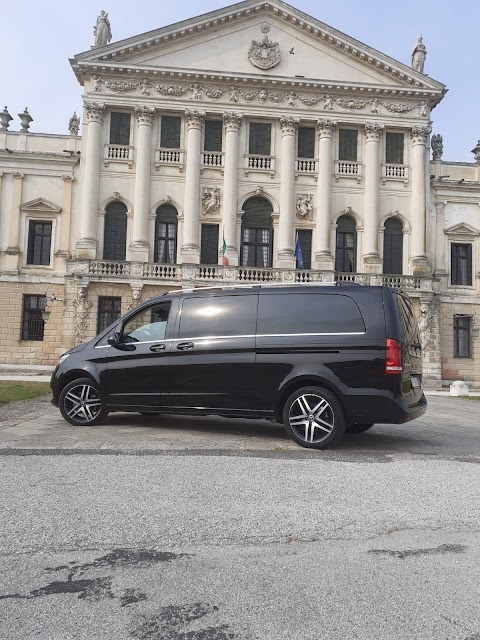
{"type": "Point", "coordinates": [18, 175]}
{"type": "Point", "coordinates": [232, 121]}
{"type": "Point", "coordinates": [94, 111]}
{"type": "Point", "coordinates": [373, 131]}
{"type": "Point", "coordinates": [326, 127]}
{"type": "Point", "coordinates": [419, 135]}
{"type": "Point", "coordinates": [144, 114]}
{"type": "Point", "coordinates": [194, 118]}
{"type": "Point", "coordinates": [289, 125]}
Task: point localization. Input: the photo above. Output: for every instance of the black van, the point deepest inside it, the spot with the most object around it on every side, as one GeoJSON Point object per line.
{"type": "Point", "coordinates": [320, 359]}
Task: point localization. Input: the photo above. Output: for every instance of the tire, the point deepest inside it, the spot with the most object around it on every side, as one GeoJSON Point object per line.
{"type": "Point", "coordinates": [81, 403]}
{"type": "Point", "coordinates": [323, 426]}
{"type": "Point", "coordinates": [357, 427]}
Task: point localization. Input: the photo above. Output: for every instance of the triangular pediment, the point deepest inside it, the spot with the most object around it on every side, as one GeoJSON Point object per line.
{"type": "Point", "coordinates": [242, 39]}
{"type": "Point", "coordinates": [463, 229]}
{"type": "Point", "coordinates": [40, 205]}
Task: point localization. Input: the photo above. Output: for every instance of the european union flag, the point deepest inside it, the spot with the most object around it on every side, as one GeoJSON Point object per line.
{"type": "Point", "coordinates": [298, 253]}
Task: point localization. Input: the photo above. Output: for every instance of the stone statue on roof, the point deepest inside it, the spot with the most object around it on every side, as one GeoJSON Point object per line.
{"type": "Point", "coordinates": [102, 30]}
{"type": "Point", "coordinates": [418, 55]}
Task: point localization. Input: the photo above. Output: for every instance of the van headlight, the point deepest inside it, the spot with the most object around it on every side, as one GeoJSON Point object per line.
{"type": "Point", "coordinates": [62, 358]}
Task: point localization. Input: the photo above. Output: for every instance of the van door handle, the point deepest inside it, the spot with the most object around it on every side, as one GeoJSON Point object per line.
{"type": "Point", "coordinates": [157, 347]}
{"type": "Point", "coordinates": [185, 346]}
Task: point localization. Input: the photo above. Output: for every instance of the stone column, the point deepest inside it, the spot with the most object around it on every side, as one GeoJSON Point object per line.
{"type": "Point", "coordinates": [323, 258]}
{"type": "Point", "coordinates": [140, 245]}
{"type": "Point", "coordinates": [13, 250]}
{"type": "Point", "coordinates": [440, 261]}
{"type": "Point", "coordinates": [371, 262]}
{"type": "Point", "coordinates": [87, 244]}
{"type": "Point", "coordinates": [66, 218]}
{"type": "Point", "coordinates": [190, 251]}
{"type": "Point", "coordinates": [232, 122]}
{"type": "Point", "coordinates": [418, 260]}
{"type": "Point", "coordinates": [286, 239]}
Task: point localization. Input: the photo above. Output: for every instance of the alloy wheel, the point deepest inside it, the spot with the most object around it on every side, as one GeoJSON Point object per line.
{"type": "Point", "coordinates": [311, 418]}
{"type": "Point", "coordinates": [82, 403]}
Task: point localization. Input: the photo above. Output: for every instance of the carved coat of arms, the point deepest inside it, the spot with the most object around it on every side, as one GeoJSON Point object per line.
{"type": "Point", "coordinates": [264, 53]}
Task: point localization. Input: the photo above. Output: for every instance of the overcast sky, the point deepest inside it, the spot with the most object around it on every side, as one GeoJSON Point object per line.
{"type": "Point", "coordinates": [38, 38]}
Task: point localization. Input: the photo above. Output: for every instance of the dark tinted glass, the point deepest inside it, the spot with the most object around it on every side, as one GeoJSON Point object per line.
{"type": "Point", "coordinates": [462, 264]}
{"type": "Point", "coordinates": [109, 310]}
{"type": "Point", "coordinates": [347, 144]}
{"type": "Point", "coordinates": [148, 325]}
{"type": "Point", "coordinates": [260, 142]}
{"type": "Point", "coordinates": [209, 244]}
{"type": "Point", "coordinates": [115, 232]}
{"type": "Point", "coordinates": [170, 132]}
{"type": "Point", "coordinates": [32, 322]}
{"type": "Point", "coordinates": [120, 128]}
{"type": "Point", "coordinates": [461, 336]}
{"type": "Point", "coordinates": [306, 142]}
{"type": "Point", "coordinates": [394, 148]}
{"type": "Point", "coordinates": [393, 247]}
{"type": "Point", "coordinates": [213, 135]}
{"type": "Point", "coordinates": [218, 316]}
{"type": "Point", "coordinates": [305, 237]}
{"type": "Point", "coordinates": [308, 313]}
{"type": "Point", "coordinates": [408, 321]}
{"type": "Point", "coordinates": [39, 242]}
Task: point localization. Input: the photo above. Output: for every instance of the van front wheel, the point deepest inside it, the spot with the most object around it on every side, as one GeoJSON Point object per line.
{"type": "Point", "coordinates": [81, 403]}
{"type": "Point", "coordinates": [313, 417]}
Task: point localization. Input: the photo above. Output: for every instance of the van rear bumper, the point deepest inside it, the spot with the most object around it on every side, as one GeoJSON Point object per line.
{"type": "Point", "coordinates": [383, 409]}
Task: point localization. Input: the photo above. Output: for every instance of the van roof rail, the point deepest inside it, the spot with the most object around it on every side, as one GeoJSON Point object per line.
{"type": "Point", "coordinates": [259, 285]}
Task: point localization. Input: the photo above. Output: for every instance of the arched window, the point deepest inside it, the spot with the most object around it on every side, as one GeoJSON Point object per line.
{"type": "Point", "coordinates": [393, 247]}
{"type": "Point", "coordinates": [257, 233]}
{"type": "Point", "coordinates": [166, 234]}
{"type": "Point", "coordinates": [346, 245]}
{"type": "Point", "coordinates": [115, 232]}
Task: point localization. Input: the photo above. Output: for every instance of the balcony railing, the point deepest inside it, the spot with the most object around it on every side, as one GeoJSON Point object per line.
{"type": "Point", "coordinates": [259, 163]}
{"type": "Point", "coordinates": [118, 153]}
{"type": "Point", "coordinates": [169, 157]}
{"type": "Point", "coordinates": [349, 168]}
{"type": "Point", "coordinates": [211, 159]}
{"type": "Point", "coordinates": [199, 275]}
{"type": "Point", "coordinates": [306, 166]}
{"type": "Point", "coordinates": [394, 172]}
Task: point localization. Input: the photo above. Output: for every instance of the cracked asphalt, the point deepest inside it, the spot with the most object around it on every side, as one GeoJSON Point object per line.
{"type": "Point", "coordinates": [208, 529]}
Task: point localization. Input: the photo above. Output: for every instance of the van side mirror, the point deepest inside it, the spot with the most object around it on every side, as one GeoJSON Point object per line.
{"type": "Point", "coordinates": [114, 339]}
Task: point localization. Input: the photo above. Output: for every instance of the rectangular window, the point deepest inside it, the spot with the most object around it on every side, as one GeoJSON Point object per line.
{"type": "Point", "coordinates": [170, 132]}
{"type": "Point", "coordinates": [32, 322]}
{"type": "Point", "coordinates": [218, 316]}
{"type": "Point", "coordinates": [213, 135]}
{"type": "Point", "coordinates": [348, 145]}
{"type": "Point", "coordinates": [306, 142]}
{"type": "Point", "coordinates": [305, 237]}
{"type": "Point", "coordinates": [109, 310]}
{"type": "Point", "coordinates": [119, 128]}
{"type": "Point", "coordinates": [462, 264]}
{"type": "Point", "coordinates": [209, 244]}
{"type": "Point", "coordinates": [394, 145]}
{"type": "Point", "coordinates": [260, 139]}
{"type": "Point", "coordinates": [462, 336]}
{"type": "Point", "coordinates": [39, 242]}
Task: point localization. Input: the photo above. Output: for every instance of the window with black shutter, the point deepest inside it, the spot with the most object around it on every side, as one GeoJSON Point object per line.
{"type": "Point", "coordinates": [115, 232]}
{"type": "Point", "coordinates": [345, 255]}
{"type": "Point", "coordinates": [209, 244]}
{"type": "Point", "coordinates": [348, 145]}
{"type": "Point", "coordinates": [39, 242]}
{"type": "Point", "coordinates": [394, 145]}
{"type": "Point", "coordinates": [462, 336]}
{"type": "Point", "coordinates": [305, 238]}
{"type": "Point", "coordinates": [306, 142]}
{"type": "Point", "coordinates": [166, 234]}
{"type": "Point", "coordinates": [32, 322]}
{"type": "Point", "coordinates": [462, 264]}
{"type": "Point", "coordinates": [393, 247]}
{"type": "Point", "coordinates": [170, 128]}
{"type": "Point", "coordinates": [119, 128]}
{"type": "Point", "coordinates": [213, 135]}
{"type": "Point", "coordinates": [260, 139]}
{"type": "Point", "coordinates": [257, 233]}
{"type": "Point", "coordinates": [109, 310]}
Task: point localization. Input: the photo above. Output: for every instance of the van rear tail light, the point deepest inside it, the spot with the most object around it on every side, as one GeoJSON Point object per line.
{"type": "Point", "coordinates": [393, 360]}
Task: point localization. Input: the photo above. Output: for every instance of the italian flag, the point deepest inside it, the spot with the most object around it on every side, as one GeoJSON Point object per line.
{"type": "Point", "coordinates": [224, 250]}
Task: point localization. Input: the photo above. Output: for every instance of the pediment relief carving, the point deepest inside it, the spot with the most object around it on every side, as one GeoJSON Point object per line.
{"type": "Point", "coordinates": [40, 205]}
{"type": "Point", "coordinates": [462, 229]}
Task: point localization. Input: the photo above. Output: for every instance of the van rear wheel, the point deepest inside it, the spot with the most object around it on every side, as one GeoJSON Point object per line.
{"type": "Point", "coordinates": [313, 417]}
{"type": "Point", "coordinates": [81, 404]}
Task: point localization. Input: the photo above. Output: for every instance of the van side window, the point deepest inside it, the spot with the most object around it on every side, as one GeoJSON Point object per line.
{"type": "Point", "coordinates": [308, 313]}
{"type": "Point", "coordinates": [218, 316]}
{"type": "Point", "coordinates": [149, 325]}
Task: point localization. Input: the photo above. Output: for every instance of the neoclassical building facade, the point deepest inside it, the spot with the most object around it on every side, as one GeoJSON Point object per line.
{"type": "Point", "coordinates": [251, 144]}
